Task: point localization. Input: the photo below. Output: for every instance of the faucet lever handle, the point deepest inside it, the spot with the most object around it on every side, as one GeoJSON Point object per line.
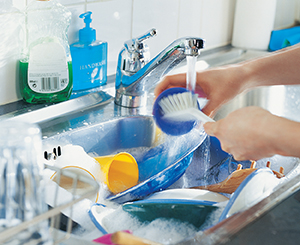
{"type": "Point", "coordinates": [152, 32]}
{"type": "Point", "coordinates": [136, 54]}
{"type": "Point", "coordinates": [135, 45]}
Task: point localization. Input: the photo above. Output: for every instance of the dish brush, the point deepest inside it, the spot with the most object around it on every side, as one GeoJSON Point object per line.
{"type": "Point", "coordinates": [173, 115]}
{"type": "Point", "coordinates": [182, 107]}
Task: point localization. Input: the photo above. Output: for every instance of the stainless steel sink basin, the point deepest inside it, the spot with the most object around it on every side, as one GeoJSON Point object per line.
{"type": "Point", "coordinates": [110, 136]}
{"type": "Point", "coordinates": [161, 159]}
{"type": "Point", "coordinates": [280, 100]}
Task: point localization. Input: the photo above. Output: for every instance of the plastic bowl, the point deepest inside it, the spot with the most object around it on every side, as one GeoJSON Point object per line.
{"type": "Point", "coordinates": [169, 126]}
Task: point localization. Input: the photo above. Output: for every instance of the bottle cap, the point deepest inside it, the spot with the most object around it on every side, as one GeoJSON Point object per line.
{"type": "Point", "coordinates": [87, 34]}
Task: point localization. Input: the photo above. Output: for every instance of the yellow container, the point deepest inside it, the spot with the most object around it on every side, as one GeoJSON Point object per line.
{"type": "Point", "coordinates": [119, 172]}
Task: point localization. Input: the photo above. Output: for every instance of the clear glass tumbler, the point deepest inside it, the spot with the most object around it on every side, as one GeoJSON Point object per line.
{"type": "Point", "coordinates": [21, 182]}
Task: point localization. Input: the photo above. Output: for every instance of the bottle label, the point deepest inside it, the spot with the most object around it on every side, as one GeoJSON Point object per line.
{"type": "Point", "coordinates": [48, 68]}
{"type": "Point", "coordinates": [89, 66]}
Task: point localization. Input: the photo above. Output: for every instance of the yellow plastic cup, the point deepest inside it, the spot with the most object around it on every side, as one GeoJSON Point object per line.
{"type": "Point", "coordinates": [119, 172]}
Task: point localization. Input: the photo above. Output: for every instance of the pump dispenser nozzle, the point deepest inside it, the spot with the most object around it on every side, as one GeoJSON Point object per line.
{"type": "Point", "coordinates": [87, 34]}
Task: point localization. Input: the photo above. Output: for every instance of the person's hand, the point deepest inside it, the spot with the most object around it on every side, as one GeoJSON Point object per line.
{"type": "Point", "coordinates": [218, 85]}
{"type": "Point", "coordinates": [247, 133]}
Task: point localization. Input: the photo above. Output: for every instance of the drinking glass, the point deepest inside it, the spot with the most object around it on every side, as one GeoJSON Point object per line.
{"type": "Point", "coordinates": [21, 182]}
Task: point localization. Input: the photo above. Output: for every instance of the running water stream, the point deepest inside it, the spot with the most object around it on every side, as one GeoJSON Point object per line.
{"type": "Point", "coordinates": [191, 86]}
{"type": "Point", "coordinates": [191, 72]}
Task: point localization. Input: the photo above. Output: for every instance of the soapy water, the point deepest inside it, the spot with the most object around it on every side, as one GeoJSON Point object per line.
{"type": "Point", "coordinates": [161, 230]}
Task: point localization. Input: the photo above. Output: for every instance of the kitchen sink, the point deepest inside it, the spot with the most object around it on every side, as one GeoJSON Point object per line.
{"type": "Point", "coordinates": [102, 128]}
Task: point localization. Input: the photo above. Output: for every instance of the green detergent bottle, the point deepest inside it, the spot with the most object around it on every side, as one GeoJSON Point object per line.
{"type": "Point", "coordinates": [45, 69]}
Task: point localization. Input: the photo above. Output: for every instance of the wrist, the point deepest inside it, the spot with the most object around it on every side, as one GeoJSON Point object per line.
{"type": "Point", "coordinates": [242, 76]}
{"type": "Point", "coordinates": [249, 75]}
{"type": "Point", "coordinates": [286, 137]}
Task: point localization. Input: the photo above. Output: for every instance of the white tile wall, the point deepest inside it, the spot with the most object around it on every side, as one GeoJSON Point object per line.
{"type": "Point", "coordinates": [19, 4]}
{"type": "Point", "coordinates": [190, 18]}
{"type": "Point", "coordinates": [297, 10]}
{"type": "Point", "coordinates": [217, 24]}
{"type": "Point", "coordinates": [112, 19]}
{"type": "Point", "coordinates": [66, 2]}
{"type": "Point", "coordinates": [12, 36]}
{"type": "Point", "coordinates": [285, 13]}
{"type": "Point", "coordinates": [162, 15]}
{"type": "Point", "coordinates": [119, 20]}
{"type": "Point", "coordinates": [76, 22]}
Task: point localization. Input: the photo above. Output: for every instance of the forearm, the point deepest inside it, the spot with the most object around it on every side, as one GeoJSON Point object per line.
{"type": "Point", "coordinates": [278, 68]}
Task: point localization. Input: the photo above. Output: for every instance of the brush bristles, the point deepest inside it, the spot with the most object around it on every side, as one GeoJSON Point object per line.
{"type": "Point", "coordinates": [178, 102]}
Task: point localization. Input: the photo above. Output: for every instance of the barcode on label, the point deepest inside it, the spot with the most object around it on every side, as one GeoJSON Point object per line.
{"type": "Point", "coordinates": [49, 83]}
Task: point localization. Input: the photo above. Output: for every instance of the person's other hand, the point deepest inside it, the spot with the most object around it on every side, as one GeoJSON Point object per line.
{"type": "Point", "coordinates": [246, 133]}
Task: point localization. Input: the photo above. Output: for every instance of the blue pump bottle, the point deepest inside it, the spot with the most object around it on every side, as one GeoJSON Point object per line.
{"type": "Point", "coordinates": [89, 58]}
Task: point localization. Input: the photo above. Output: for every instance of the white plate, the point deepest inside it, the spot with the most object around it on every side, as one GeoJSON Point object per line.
{"type": "Point", "coordinates": [195, 194]}
{"type": "Point", "coordinates": [258, 185]}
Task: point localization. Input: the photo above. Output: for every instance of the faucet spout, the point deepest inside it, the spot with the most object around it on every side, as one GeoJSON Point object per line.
{"type": "Point", "coordinates": [132, 87]}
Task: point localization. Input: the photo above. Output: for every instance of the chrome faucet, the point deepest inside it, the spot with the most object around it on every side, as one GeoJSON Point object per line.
{"type": "Point", "coordinates": [136, 74]}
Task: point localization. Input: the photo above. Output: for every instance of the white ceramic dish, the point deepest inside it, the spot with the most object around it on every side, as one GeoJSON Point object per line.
{"type": "Point", "coordinates": [253, 189]}
{"type": "Point", "coordinates": [195, 194]}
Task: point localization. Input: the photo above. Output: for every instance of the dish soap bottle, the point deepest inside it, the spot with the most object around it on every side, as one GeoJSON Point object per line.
{"type": "Point", "coordinates": [89, 58]}
{"type": "Point", "coordinates": [45, 69]}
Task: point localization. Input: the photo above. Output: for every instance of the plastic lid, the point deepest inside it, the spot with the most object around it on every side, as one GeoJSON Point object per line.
{"type": "Point", "coordinates": [87, 34]}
